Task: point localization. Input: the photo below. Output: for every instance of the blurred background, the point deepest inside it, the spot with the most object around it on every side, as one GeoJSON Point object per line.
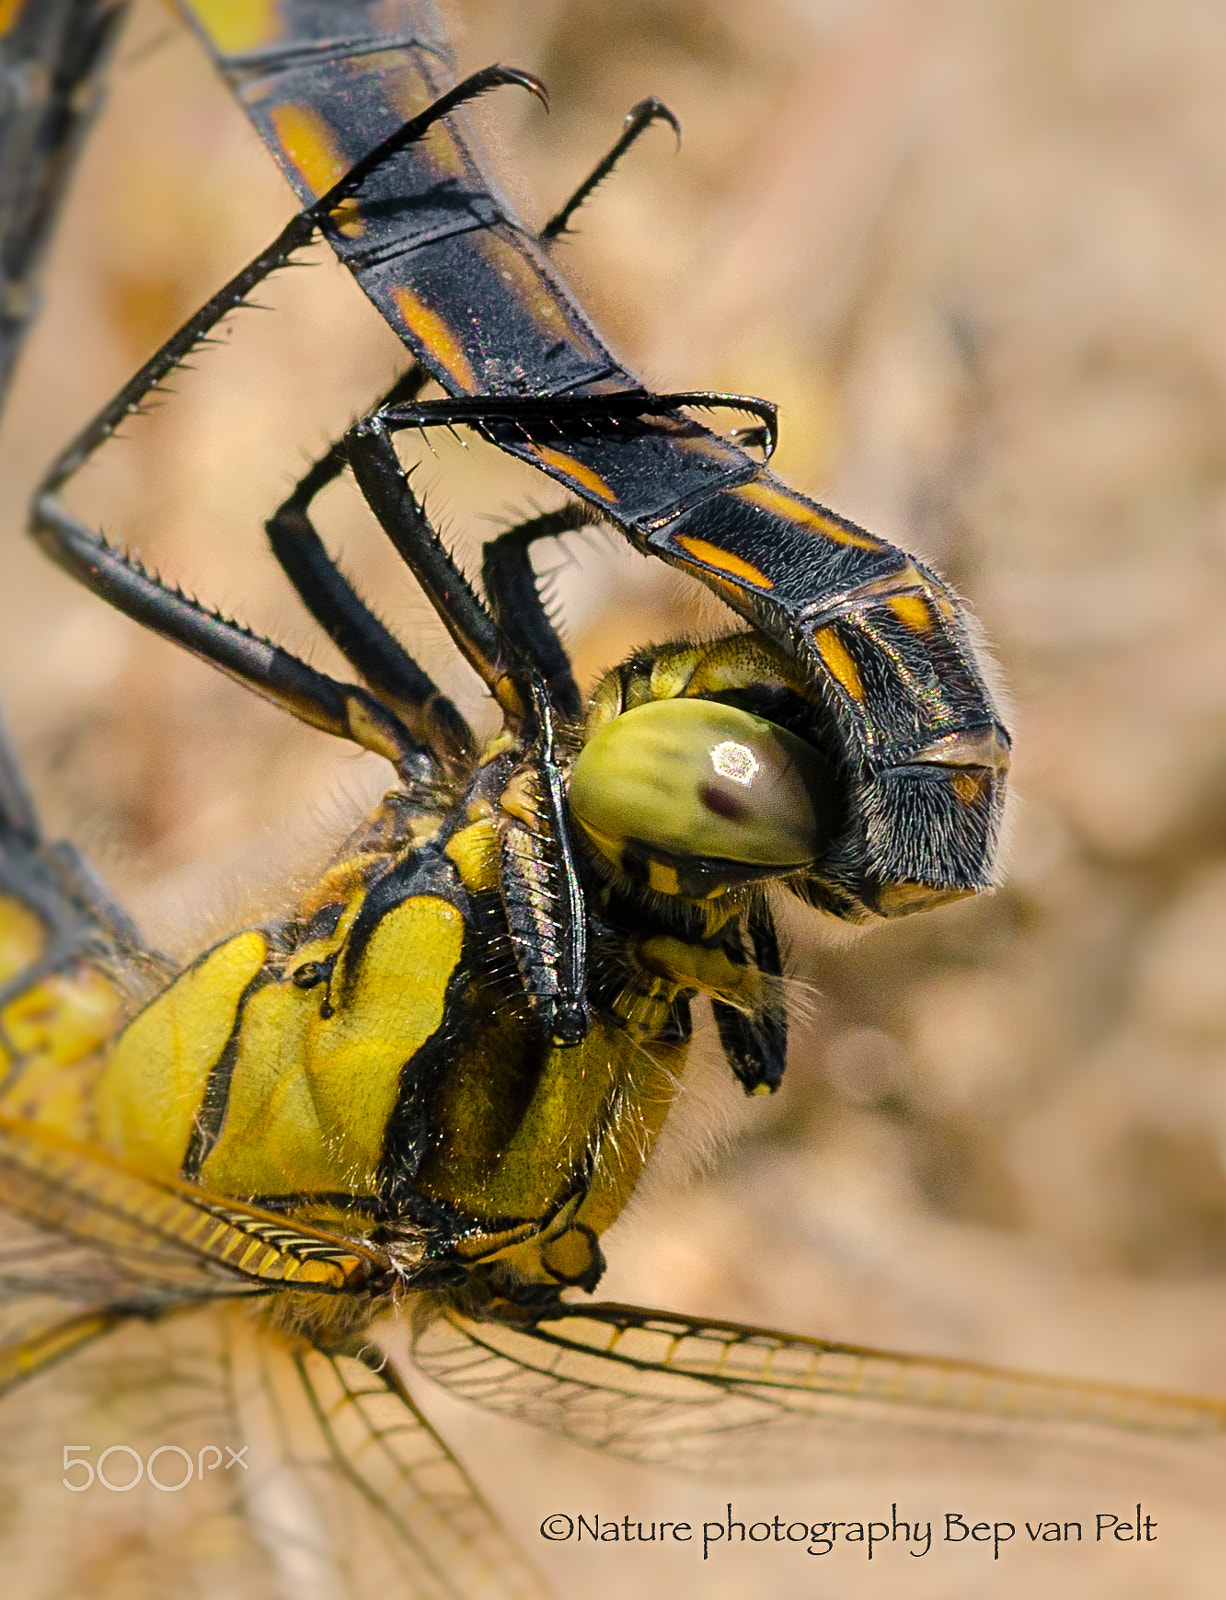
{"type": "Point", "coordinates": [976, 250]}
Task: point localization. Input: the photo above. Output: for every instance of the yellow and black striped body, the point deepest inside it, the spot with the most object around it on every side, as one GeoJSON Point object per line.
{"type": "Point", "coordinates": [68, 972]}
{"type": "Point", "coordinates": [370, 1063]}
{"type": "Point", "coordinates": [479, 301]}
{"type": "Point", "coordinates": [468, 1034]}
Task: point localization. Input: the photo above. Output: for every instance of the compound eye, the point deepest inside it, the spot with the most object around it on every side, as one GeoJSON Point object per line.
{"type": "Point", "coordinates": [693, 778]}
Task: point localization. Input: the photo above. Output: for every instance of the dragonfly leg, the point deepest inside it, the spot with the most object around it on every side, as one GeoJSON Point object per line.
{"type": "Point", "coordinates": [297, 233]}
{"type": "Point", "coordinates": [539, 883]}
{"type": "Point", "coordinates": [471, 88]}
{"type": "Point", "coordinates": [492, 413]}
{"type": "Point", "coordinates": [18, 819]}
{"type": "Point", "coordinates": [639, 119]}
{"type": "Point", "coordinates": [385, 484]}
{"type": "Point", "coordinates": [511, 589]}
{"type": "Point", "coordinates": [366, 643]}
{"type": "Point", "coordinates": [56, 883]}
{"type": "Point", "coordinates": [542, 895]}
{"type": "Point", "coordinates": [756, 1042]}
{"type": "Point", "coordinates": [342, 709]}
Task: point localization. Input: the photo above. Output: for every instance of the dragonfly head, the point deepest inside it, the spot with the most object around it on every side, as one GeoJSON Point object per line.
{"type": "Point", "coordinates": [709, 767]}
{"type": "Point", "coordinates": [694, 797]}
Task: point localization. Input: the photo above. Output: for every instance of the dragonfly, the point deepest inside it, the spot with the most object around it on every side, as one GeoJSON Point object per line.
{"type": "Point", "coordinates": [52, 57]}
{"type": "Point", "coordinates": [420, 1099]}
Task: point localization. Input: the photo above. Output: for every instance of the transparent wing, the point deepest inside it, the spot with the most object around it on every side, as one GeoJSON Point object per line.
{"type": "Point", "coordinates": [162, 1231]}
{"type": "Point", "coordinates": [675, 1392]}
{"type": "Point", "coordinates": [158, 1393]}
{"type": "Point", "coordinates": [353, 1489]}
{"type": "Point", "coordinates": [86, 1241]}
{"type": "Point", "coordinates": [40, 1329]}
{"type": "Point", "coordinates": [305, 1475]}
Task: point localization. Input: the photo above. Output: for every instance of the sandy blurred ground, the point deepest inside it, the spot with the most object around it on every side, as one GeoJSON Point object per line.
{"type": "Point", "coordinates": [976, 251]}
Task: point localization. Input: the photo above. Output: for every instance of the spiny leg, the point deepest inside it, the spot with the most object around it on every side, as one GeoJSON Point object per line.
{"type": "Point", "coordinates": [507, 577]}
{"type": "Point", "coordinates": [17, 816]}
{"type": "Point", "coordinates": [385, 485]}
{"type": "Point", "coordinates": [341, 709]}
{"type": "Point", "coordinates": [550, 412]}
{"type": "Point", "coordinates": [370, 647]}
{"type": "Point", "coordinates": [511, 588]}
{"type": "Point", "coordinates": [296, 234]}
{"type": "Point", "coordinates": [639, 119]}
{"type": "Point", "coordinates": [68, 893]}
{"type": "Point", "coordinates": [539, 884]}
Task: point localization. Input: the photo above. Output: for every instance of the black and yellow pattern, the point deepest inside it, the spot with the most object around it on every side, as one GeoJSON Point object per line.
{"type": "Point", "coordinates": [433, 1086]}
{"type": "Point", "coordinates": [474, 295]}
{"type": "Point", "coordinates": [369, 1059]}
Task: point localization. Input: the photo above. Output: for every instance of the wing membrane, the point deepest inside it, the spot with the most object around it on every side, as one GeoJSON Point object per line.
{"type": "Point", "coordinates": [674, 1392]}
{"type": "Point", "coordinates": [57, 1294]}
{"type": "Point", "coordinates": [341, 1490]}
{"type": "Point", "coordinates": [162, 1231]}
{"type": "Point", "coordinates": [87, 1242]}
{"type": "Point", "coordinates": [146, 1386]}
{"type": "Point", "coordinates": [362, 1497]}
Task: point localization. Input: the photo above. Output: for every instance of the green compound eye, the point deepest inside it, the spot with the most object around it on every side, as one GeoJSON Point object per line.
{"type": "Point", "coordinates": [695, 779]}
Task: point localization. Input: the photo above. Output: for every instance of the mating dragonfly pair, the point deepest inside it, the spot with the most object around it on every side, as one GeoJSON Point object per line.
{"type": "Point", "coordinates": [430, 1089]}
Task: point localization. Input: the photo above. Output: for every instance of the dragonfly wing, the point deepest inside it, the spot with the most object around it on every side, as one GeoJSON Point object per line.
{"type": "Point", "coordinates": [46, 1333]}
{"type": "Point", "coordinates": [304, 1477]}
{"type": "Point", "coordinates": [58, 1293]}
{"type": "Point", "coordinates": [353, 1489]}
{"type": "Point", "coordinates": [681, 1393]}
{"type": "Point", "coordinates": [87, 1242]}
{"type": "Point", "coordinates": [174, 1240]}
{"type": "Point", "coordinates": [157, 1394]}
{"type": "Point", "coordinates": [345, 1488]}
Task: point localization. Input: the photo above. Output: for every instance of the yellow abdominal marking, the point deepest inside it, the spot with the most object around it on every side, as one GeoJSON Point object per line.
{"type": "Point", "coordinates": [580, 474]}
{"type": "Point", "coordinates": [834, 653]}
{"type": "Point", "coordinates": [436, 337]}
{"type": "Point", "coordinates": [911, 611]}
{"type": "Point", "coordinates": [235, 26]}
{"type": "Point", "coordinates": [772, 497]}
{"type": "Point", "coordinates": [723, 561]}
{"type": "Point", "coordinates": [311, 145]}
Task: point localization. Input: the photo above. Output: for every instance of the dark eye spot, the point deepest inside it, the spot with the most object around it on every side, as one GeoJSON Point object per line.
{"type": "Point", "coordinates": [722, 803]}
